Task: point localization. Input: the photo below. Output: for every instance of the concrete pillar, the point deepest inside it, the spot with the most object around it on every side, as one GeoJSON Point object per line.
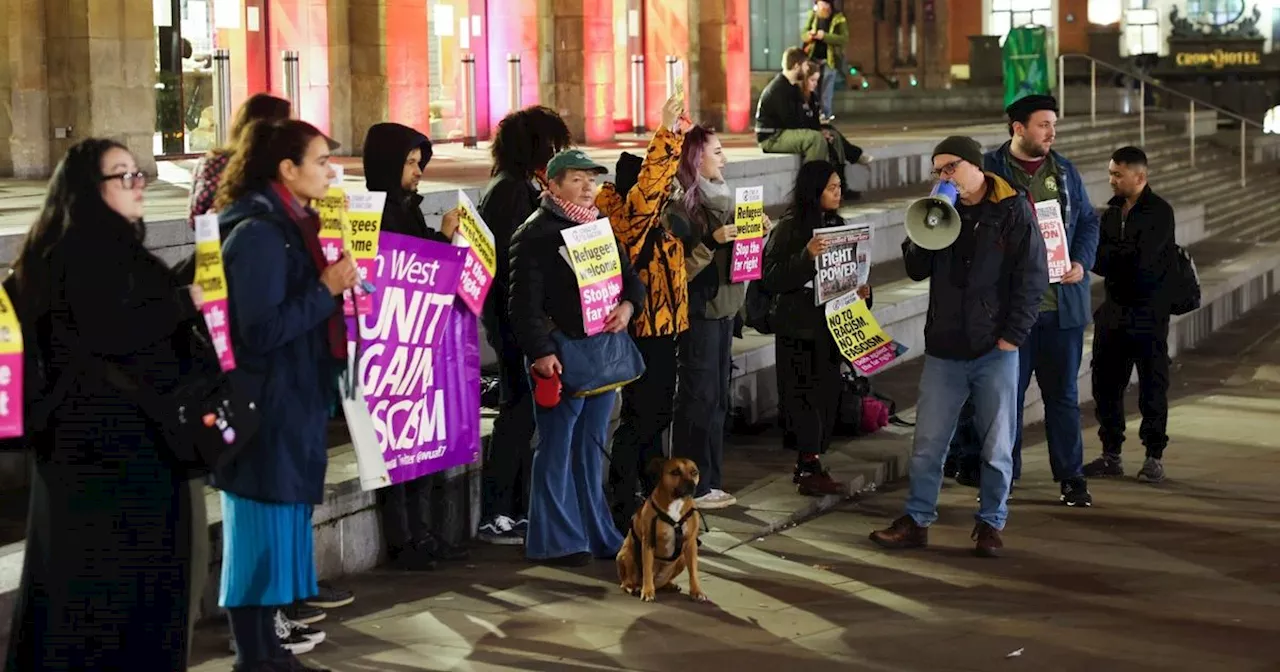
{"type": "Point", "coordinates": [581, 32]}
{"type": "Point", "coordinates": [24, 123]}
{"type": "Point", "coordinates": [720, 65]}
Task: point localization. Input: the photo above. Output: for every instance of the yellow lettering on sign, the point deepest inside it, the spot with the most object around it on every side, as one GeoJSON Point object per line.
{"type": "Point", "coordinates": [1218, 59]}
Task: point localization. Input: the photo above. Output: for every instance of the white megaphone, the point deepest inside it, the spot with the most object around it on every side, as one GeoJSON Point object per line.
{"type": "Point", "coordinates": [932, 222]}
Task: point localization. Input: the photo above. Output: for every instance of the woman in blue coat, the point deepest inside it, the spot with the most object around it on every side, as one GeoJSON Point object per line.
{"type": "Point", "coordinates": [289, 340]}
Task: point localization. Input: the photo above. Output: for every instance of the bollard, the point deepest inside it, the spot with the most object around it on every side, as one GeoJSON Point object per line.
{"type": "Point", "coordinates": [292, 81]}
{"type": "Point", "coordinates": [513, 76]}
{"type": "Point", "coordinates": [637, 94]}
{"type": "Point", "coordinates": [222, 95]}
{"type": "Point", "coordinates": [469, 99]}
{"type": "Point", "coordinates": [673, 67]}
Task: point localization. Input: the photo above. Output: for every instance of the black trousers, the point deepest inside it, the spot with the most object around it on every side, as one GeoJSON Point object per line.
{"type": "Point", "coordinates": [704, 367]}
{"type": "Point", "coordinates": [406, 512]}
{"type": "Point", "coordinates": [646, 414]}
{"type": "Point", "coordinates": [510, 456]}
{"type": "Point", "coordinates": [809, 387]}
{"type": "Point", "coordinates": [1123, 339]}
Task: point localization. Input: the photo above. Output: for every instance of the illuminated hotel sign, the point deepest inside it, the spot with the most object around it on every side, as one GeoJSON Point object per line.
{"type": "Point", "coordinates": [1219, 59]}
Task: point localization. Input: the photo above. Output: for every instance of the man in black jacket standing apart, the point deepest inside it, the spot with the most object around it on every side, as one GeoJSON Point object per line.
{"type": "Point", "coordinates": [984, 295]}
{"type": "Point", "coordinates": [1135, 255]}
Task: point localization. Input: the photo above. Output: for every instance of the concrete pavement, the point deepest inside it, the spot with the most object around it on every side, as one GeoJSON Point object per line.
{"type": "Point", "coordinates": [1180, 576]}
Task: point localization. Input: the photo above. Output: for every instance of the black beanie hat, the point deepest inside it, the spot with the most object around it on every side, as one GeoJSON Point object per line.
{"type": "Point", "coordinates": [964, 147]}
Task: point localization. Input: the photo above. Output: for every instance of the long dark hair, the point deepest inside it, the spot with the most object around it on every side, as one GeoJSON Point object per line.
{"type": "Point", "coordinates": [259, 107]}
{"type": "Point", "coordinates": [263, 146]}
{"type": "Point", "coordinates": [806, 197]}
{"type": "Point", "coordinates": [72, 202]}
{"type": "Point", "coordinates": [526, 141]}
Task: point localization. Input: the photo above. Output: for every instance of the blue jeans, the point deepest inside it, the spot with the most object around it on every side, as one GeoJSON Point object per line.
{"type": "Point", "coordinates": [1053, 354]}
{"type": "Point", "coordinates": [991, 381]}
{"type": "Point", "coordinates": [567, 509]}
{"type": "Point", "coordinates": [827, 89]}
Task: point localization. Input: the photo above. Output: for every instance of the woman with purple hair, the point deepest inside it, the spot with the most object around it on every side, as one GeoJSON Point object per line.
{"type": "Point", "coordinates": [700, 213]}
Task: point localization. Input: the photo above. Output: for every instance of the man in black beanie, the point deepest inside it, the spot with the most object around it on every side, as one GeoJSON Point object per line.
{"type": "Point", "coordinates": [983, 293]}
{"type": "Point", "coordinates": [1056, 344]}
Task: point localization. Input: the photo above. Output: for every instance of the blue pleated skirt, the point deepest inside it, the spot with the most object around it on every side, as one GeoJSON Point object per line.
{"type": "Point", "coordinates": [268, 553]}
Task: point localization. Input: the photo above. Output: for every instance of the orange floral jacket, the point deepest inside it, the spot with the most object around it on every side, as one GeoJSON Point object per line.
{"type": "Point", "coordinates": [635, 220]}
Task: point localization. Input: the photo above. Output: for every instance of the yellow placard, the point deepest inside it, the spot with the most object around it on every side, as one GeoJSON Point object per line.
{"type": "Point", "coordinates": [477, 233]}
{"type": "Point", "coordinates": [853, 327]}
{"type": "Point", "coordinates": [362, 222]}
{"type": "Point", "coordinates": [331, 209]}
{"type": "Point", "coordinates": [10, 329]}
{"type": "Point", "coordinates": [210, 275]}
{"type": "Point", "coordinates": [748, 212]}
{"type": "Point", "coordinates": [593, 252]}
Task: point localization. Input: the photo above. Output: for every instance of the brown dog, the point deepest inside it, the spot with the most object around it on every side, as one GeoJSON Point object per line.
{"type": "Point", "coordinates": [663, 540]}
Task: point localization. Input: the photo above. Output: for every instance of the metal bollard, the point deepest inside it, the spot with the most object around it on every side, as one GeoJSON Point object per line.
{"type": "Point", "coordinates": [222, 95]}
{"type": "Point", "coordinates": [513, 76]}
{"type": "Point", "coordinates": [637, 94]}
{"type": "Point", "coordinates": [673, 66]}
{"type": "Point", "coordinates": [469, 99]}
{"type": "Point", "coordinates": [292, 81]}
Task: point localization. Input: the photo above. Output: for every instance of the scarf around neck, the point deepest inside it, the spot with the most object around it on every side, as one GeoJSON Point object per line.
{"type": "Point", "coordinates": [578, 214]}
{"type": "Point", "coordinates": [715, 195]}
{"type": "Point", "coordinates": [309, 225]}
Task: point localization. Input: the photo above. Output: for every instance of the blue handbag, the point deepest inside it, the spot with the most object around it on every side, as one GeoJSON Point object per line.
{"type": "Point", "coordinates": [598, 364]}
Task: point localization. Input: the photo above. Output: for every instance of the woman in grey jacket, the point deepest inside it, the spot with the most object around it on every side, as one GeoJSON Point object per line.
{"type": "Point", "coordinates": [701, 214]}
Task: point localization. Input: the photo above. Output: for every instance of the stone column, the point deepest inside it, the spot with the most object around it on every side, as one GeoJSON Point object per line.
{"type": "Point", "coordinates": [24, 121]}
{"type": "Point", "coordinates": [581, 32]}
{"type": "Point", "coordinates": [720, 77]}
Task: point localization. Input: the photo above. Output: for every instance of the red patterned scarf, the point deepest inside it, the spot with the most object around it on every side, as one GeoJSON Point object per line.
{"type": "Point", "coordinates": [579, 214]}
{"type": "Point", "coordinates": [309, 225]}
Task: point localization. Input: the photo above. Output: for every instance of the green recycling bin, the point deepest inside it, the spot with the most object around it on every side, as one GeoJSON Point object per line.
{"type": "Point", "coordinates": [1026, 63]}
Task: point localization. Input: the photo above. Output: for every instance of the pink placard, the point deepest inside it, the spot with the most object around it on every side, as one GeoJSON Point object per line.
{"type": "Point", "coordinates": [11, 395]}
{"type": "Point", "coordinates": [215, 317]}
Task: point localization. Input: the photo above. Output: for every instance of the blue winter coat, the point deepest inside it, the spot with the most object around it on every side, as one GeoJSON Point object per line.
{"type": "Point", "coordinates": [279, 312]}
{"type": "Point", "coordinates": [1074, 301]}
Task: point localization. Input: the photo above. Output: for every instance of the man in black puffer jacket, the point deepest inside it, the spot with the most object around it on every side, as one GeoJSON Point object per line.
{"type": "Point", "coordinates": [984, 295]}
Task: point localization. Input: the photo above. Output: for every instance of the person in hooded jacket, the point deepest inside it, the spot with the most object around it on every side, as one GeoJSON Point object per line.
{"type": "Point", "coordinates": [524, 143]}
{"type": "Point", "coordinates": [290, 342]}
{"type": "Point", "coordinates": [394, 157]}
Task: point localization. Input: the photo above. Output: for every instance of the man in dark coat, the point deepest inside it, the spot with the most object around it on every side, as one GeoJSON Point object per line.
{"type": "Point", "coordinates": [394, 157]}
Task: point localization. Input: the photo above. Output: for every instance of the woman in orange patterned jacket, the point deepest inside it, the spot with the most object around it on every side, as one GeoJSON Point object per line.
{"type": "Point", "coordinates": [658, 258]}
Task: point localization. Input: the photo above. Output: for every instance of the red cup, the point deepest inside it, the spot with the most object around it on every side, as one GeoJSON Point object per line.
{"type": "Point", "coordinates": [546, 391]}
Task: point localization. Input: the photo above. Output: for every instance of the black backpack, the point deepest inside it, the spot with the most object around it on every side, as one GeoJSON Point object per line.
{"type": "Point", "coordinates": [758, 308]}
{"type": "Point", "coordinates": [1185, 285]}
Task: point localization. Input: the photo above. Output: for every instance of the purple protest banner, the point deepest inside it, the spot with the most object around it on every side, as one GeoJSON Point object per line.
{"type": "Point", "coordinates": [419, 359]}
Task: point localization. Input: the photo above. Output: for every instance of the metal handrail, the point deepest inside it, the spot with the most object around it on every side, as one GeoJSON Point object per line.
{"type": "Point", "coordinates": [1143, 82]}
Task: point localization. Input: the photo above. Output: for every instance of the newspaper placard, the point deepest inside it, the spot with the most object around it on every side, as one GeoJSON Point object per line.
{"type": "Point", "coordinates": [859, 337]}
{"type": "Point", "coordinates": [362, 222]}
{"type": "Point", "coordinates": [482, 259]}
{"type": "Point", "coordinates": [845, 265]}
{"type": "Point", "coordinates": [748, 246]}
{"type": "Point", "coordinates": [332, 208]}
{"type": "Point", "coordinates": [592, 251]}
{"type": "Point", "coordinates": [212, 279]}
{"type": "Point", "coordinates": [1049, 215]}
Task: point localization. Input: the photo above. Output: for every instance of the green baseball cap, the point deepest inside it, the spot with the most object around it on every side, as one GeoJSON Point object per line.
{"type": "Point", "coordinates": [572, 159]}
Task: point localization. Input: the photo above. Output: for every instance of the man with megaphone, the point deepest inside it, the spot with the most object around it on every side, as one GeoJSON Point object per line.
{"type": "Point", "coordinates": [976, 240]}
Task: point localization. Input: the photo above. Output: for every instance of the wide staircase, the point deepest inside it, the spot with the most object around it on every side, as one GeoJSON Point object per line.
{"type": "Point", "coordinates": [1233, 232]}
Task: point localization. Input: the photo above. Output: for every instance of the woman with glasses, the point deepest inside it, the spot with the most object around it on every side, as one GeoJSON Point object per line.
{"type": "Point", "coordinates": [107, 565]}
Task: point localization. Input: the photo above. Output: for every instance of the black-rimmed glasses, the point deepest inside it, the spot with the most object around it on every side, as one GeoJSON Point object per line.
{"type": "Point", "coordinates": [946, 170]}
{"type": "Point", "coordinates": [134, 180]}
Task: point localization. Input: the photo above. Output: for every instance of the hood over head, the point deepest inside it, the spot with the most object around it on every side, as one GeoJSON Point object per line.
{"type": "Point", "coordinates": [385, 147]}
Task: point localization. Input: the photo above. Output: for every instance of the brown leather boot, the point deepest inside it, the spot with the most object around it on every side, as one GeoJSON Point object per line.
{"type": "Point", "coordinates": [902, 533]}
{"type": "Point", "coordinates": [813, 480]}
{"type": "Point", "coordinates": [988, 541]}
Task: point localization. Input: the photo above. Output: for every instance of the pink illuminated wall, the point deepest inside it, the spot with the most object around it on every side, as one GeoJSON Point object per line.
{"type": "Point", "coordinates": [666, 31]}
{"type": "Point", "coordinates": [597, 38]}
{"type": "Point", "coordinates": [302, 25]}
{"type": "Point", "coordinates": [248, 54]}
{"type": "Point", "coordinates": [513, 29]}
{"type": "Point", "coordinates": [407, 63]}
{"type": "Point", "coordinates": [738, 65]}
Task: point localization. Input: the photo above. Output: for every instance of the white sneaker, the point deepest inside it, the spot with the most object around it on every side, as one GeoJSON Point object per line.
{"type": "Point", "coordinates": [865, 159]}
{"type": "Point", "coordinates": [716, 499]}
{"type": "Point", "coordinates": [501, 531]}
{"type": "Point", "coordinates": [296, 638]}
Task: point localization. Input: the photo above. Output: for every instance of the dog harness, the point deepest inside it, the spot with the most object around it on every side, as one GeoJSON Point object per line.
{"type": "Point", "coordinates": [677, 525]}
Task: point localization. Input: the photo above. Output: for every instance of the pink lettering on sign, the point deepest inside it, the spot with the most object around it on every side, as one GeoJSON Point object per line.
{"type": "Point", "coordinates": [748, 257]}
{"type": "Point", "coordinates": [474, 284]}
{"type": "Point", "coordinates": [598, 300]}
{"type": "Point", "coordinates": [11, 395]}
{"type": "Point", "coordinates": [215, 317]}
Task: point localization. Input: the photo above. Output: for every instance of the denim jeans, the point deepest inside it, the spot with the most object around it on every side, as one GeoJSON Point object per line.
{"type": "Point", "coordinates": [1053, 354]}
{"type": "Point", "coordinates": [991, 381]}
{"type": "Point", "coordinates": [567, 508]}
{"type": "Point", "coordinates": [827, 89]}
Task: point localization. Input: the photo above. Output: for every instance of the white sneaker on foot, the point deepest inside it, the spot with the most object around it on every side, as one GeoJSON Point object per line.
{"type": "Point", "coordinates": [716, 499]}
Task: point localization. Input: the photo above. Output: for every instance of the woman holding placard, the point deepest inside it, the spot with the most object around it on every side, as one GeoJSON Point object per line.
{"type": "Point", "coordinates": [289, 341]}
{"type": "Point", "coordinates": [105, 580]}
{"type": "Point", "coordinates": [701, 214]}
{"type": "Point", "coordinates": [808, 361]}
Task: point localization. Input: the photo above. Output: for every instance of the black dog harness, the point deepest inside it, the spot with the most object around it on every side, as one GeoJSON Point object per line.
{"type": "Point", "coordinates": [677, 525]}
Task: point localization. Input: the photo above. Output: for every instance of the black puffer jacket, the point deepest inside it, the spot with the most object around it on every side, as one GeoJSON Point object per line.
{"type": "Point", "coordinates": [788, 268]}
{"type": "Point", "coordinates": [386, 147]}
{"type": "Point", "coordinates": [544, 290]}
{"type": "Point", "coordinates": [506, 202]}
{"type": "Point", "coordinates": [987, 285]}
